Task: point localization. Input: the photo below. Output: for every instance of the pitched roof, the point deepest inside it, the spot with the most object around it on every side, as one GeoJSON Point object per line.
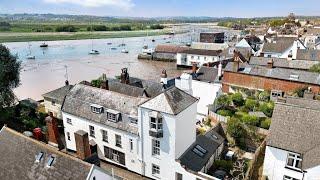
{"type": "Point", "coordinates": [18, 160]}
{"type": "Point", "coordinates": [58, 94]}
{"type": "Point", "coordinates": [206, 74]}
{"type": "Point", "coordinates": [296, 127]}
{"type": "Point", "coordinates": [126, 89]}
{"type": "Point", "coordinates": [79, 100]}
{"type": "Point", "coordinates": [164, 48]}
{"type": "Point", "coordinates": [210, 142]}
{"type": "Point", "coordinates": [278, 45]}
{"type": "Point", "coordinates": [283, 63]}
{"type": "Point", "coordinates": [276, 73]}
{"type": "Point", "coordinates": [204, 52]}
{"type": "Point", "coordinates": [171, 101]}
{"type": "Point", "coordinates": [308, 54]}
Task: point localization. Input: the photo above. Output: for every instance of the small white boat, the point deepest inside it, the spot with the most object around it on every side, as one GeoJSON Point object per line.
{"type": "Point", "coordinates": [94, 52]}
{"type": "Point", "coordinates": [145, 46]}
{"type": "Point", "coordinates": [31, 57]}
{"type": "Point", "coordinates": [43, 45]}
{"type": "Point", "coordinates": [148, 51]}
{"type": "Point", "coordinates": [113, 48]}
{"type": "Point", "coordinates": [124, 51]}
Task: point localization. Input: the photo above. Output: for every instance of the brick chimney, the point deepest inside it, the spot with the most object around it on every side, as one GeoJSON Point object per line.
{"type": "Point", "coordinates": [52, 131]}
{"type": "Point", "coordinates": [270, 63]}
{"type": "Point", "coordinates": [236, 61]}
{"type": "Point", "coordinates": [124, 78]}
{"type": "Point", "coordinates": [104, 82]}
{"type": "Point", "coordinates": [164, 77]}
{"type": "Point", "coordinates": [82, 144]}
{"type": "Point", "coordinates": [194, 68]}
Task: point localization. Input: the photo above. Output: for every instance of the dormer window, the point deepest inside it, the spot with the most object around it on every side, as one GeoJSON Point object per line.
{"type": "Point", "coordinates": [113, 116]}
{"type": "Point", "coordinates": [294, 77]}
{"type": "Point", "coordinates": [294, 161]}
{"type": "Point", "coordinates": [96, 108]}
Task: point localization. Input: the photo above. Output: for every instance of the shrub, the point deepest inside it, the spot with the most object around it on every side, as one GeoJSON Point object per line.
{"type": "Point", "coordinates": [264, 96]}
{"type": "Point", "coordinates": [300, 91]}
{"type": "Point", "coordinates": [315, 68]}
{"type": "Point", "coordinates": [226, 165]}
{"type": "Point", "coordinates": [223, 101]}
{"type": "Point", "coordinates": [266, 123]}
{"type": "Point", "coordinates": [66, 28]}
{"type": "Point", "coordinates": [96, 83]}
{"type": "Point", "coordinates": [250, 120]}
{"type": "Point", "coordinates": [225, 112]}
{"type": "Point", "coordinates": [237, 99]}
{"type": "Point", "coordinates": [98, 28]}
{"type": "Point", "coordinates": [267, 108]}
{"type": "Point", "coordinates": [156, 26]}
{"type": "Point", "coordinates": [251, 104]}
{"type": "Point", "coordinates": [235, 128]}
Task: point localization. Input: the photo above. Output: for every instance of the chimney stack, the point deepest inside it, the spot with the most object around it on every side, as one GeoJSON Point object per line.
{"type": "Point", "coordinates": [236, 60]}
{"type": "Point", "coordinates": [164, 77]}
{"type": "Point", "coordinates": [52, 131]}
{"type": "Point", "coordinates": [124, 78]}
{"type": "Point", "coordinates": [82, 144]}
{"type": "Point", "coordinates": [66, 83]}
{"type": "Point", "coordinates": [194, 68]}
{"type": "Point", "coordinates": [270, 64]}
{"type": "Point", "coordinates": [104, 82]}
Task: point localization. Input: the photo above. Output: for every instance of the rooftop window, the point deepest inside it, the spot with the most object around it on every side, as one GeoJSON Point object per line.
{"type": "Point", "coordinates": [96, 109]}
{"type": "Point", "coordinates": [39, 156]}
{"type": "Point", "coordinates": [200, 151]}
{"type": "Point", "coordinates": [50, 161]}
{"type": "Point", "coordinates": [294, 77]}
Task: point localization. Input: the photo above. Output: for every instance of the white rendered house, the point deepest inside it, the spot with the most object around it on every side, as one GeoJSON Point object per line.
{"type": "Point", "coordinates": [292, 151]}
{"type": "Point", "coordinates": [283, 48]}
{"type": "Point", "coordinates": [203, 84]}
{"type": "Point", "coordinates": [154, 137]}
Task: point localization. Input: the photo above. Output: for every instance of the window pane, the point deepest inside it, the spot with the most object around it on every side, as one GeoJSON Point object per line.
{"type": "Point", "coordinates": [290, 162]}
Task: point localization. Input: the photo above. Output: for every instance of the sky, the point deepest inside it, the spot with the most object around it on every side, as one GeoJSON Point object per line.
{"type": "Point", "coordinates": [161, 8]}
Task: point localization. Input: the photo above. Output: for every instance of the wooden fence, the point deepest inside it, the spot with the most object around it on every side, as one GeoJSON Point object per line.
{"type": "Point", "coordinates": [254, 163]}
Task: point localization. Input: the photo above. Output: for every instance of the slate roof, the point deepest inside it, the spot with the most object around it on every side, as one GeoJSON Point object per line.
{"type": "Point", "coordinates": [308, 54]}
{"type": "Point", "coordinates": [126, 89]}
{"type": "Point", "coordinates": [18, 155]}
{"type": "Point", "coordinates": [206, 74]}
{"type": "Point", "coordinates": [279, 45]}
{"type": "Point", "coordinates": [276, 73]}
{"type": "Point", "coordinates": [204, 52]}
{"type": "Point", "coordinates": [58, 94]}
{"type": "Point", "coordinates": [210, 142]}
{"type": "Point", "coordinates": [295, 127]}
{"type": "Point", "coordinates": [164, 48]}
{"type": "Point", "coordinates": [170, 101]}
{"type": "Point", "coordinates": [283, 63]}
{"type": "Point", "coordinates": [79, 100]}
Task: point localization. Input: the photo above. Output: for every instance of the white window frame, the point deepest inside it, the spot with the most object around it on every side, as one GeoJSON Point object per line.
{"type": "Point", "coordinates": [157, 125]}
{"type": "Point", "coordinates": [131, 144]}
{"type": "Point", "coordinates": [155, 170]}
{"type": "Point", "coordinates": [92, 132]}
{"type": "Point", "coordinates": [118, 140]}
{"type": "Point", "coordinates": [155, 147]}
{"type": "Point", "coordinates": [285, 177]}
{"type": "Point", "coordinates": [296, 159]}
{"type": "Point", "coordinates": [69, 121]}
{"type": "Point", "coordinates": [133, 121]}
{"type": "Point", "coordinates": [112, 117]}
{"type": "Point", "coordinates": [104, 136]}
{"type": "Point", "coordinates": [68, 136]}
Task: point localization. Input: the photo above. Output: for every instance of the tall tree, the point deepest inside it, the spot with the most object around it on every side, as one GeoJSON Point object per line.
{"type": "Point", "coordinates": [9, 76]}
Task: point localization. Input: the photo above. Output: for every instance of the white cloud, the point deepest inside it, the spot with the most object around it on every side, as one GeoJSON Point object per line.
{"type": "Point", "coordinates": [123, 4]}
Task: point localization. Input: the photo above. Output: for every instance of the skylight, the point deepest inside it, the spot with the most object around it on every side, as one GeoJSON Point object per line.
{"type": "Point", "coordinates": [39, 157]}
{"type": "Point", "coordinates": [294, 77]}
{"type": "Point", "coordinates": [200, 151]}
{"type": "Point", "coordinates": [50, 161]}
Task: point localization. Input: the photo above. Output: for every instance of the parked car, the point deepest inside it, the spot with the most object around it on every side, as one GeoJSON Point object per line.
{"type": "Point", "coordinates": [220, 174]}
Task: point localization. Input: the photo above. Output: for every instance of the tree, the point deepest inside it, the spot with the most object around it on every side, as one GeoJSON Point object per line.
{"type": "Point", "coordinates": [9, 76]}
{"type": "Point", "coordinates": [267, 108]}
{"type": "Point", "coordinates": [237, 99]}
{"type": "Point", "coordinates": [223, 101]}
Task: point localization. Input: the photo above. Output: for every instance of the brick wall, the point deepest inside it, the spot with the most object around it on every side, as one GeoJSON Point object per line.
{"type": "Point", "coordinates": [256, 82]}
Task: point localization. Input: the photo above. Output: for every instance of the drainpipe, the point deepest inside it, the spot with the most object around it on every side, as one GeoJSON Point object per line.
{"type": "Point", "coordinates": [142, 148]}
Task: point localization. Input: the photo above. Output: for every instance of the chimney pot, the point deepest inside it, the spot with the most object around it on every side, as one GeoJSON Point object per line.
{"type": "Point", "coordinates": [66, 83]}
{"type": "Point", "coordinates": [194, 68]}
{"type": "Point", "coordinates": [124, 78]}
{"type": "Point", "coordinates": [270, 63]}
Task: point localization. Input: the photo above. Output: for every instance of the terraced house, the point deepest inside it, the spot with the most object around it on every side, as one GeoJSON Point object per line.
{"type": "Point", "coordinates": [146, 135]}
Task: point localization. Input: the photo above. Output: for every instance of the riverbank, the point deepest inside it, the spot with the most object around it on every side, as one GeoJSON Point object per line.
{"type": "Point", "coordinates": [55, 36]}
